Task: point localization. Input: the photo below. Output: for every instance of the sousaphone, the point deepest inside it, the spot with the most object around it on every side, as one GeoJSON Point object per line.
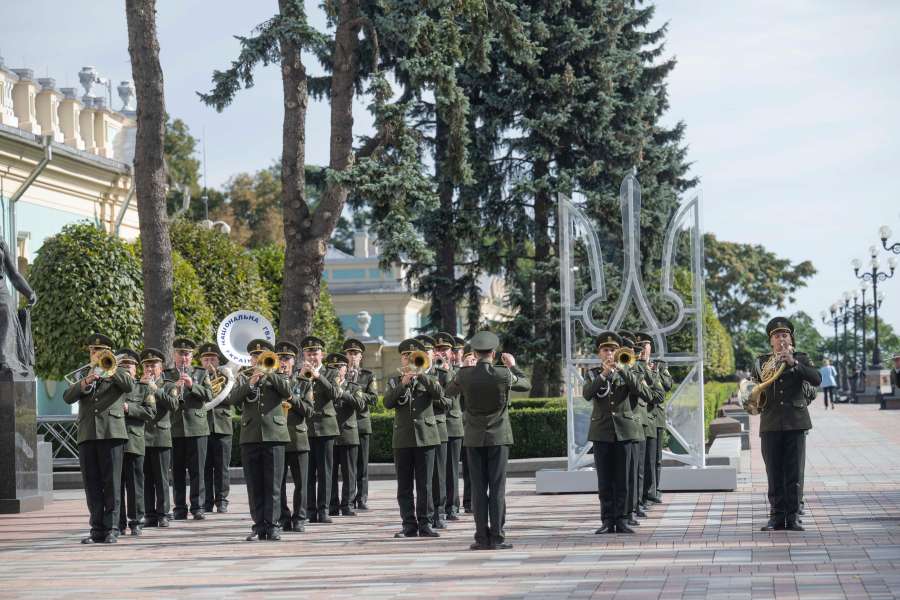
{"type": "Point", "coordinates": [232, 336]}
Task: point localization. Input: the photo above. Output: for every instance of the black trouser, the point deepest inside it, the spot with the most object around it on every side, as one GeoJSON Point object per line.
{"type": "Point", "coordinates": [783, 453]}
{"type": "Point", "coordinates": [633, 475]}
{"type": "Point", "coordinates": [188, 454]}
{"type": "Point", "coordinates": [803, 466]}
{"type": "Point", "coordinates": [454, 447]}
{"type": "Point", "coordinates": [611, 460]}
{"type": "Point", "coordinates": [649, 488]}
{"type": "Point", "coordinates": [217, 480]}
{"type": "Point", "coordinates": [298, 464]}
{"type": "Point", "coordinates": [131, 503]}
{"type": "Point", "coordinates": [439, 479]}
{"type": "Point", "coordinates": [467, 481]}
{"type": "Point", "coordinates": [101, 472]}
{"type": "Point", "coordinates": [156, 482]}
{"type": "Point", "coordinates": [414, 465]}
{"type": "Point", "coordinates": [659, 448]}
{"type": "Point", "coordinates": [345, 462]}
{"type": "Point", "coordinates": [362, 469]}
{"type": "Point", "coordinates": [318, 488]}
{"type": "Point", "coordinates": [638, 496]}
{"type": "Point", "coordinates": [263, 464]}
{"type": "Point", "coordinates": [828, 395]}
{"type": "Point", "coordinates": [487, 468]}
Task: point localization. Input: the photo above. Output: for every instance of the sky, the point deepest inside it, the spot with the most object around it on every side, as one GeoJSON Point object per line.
{"type": "Point", "coordinates": [791, 110]}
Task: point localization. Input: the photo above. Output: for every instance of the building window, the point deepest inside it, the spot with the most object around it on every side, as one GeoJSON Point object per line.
{"type": "Point", "coordinates": [349, 325]}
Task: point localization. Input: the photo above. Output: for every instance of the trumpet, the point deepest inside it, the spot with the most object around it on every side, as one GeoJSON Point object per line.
{"type": "Point", "coordinates": [103, 365]}
{"type": "Point", "coordinates": [439, 362]}
{"type": "Point", "coordinates": [418, 363]}
{"type": "Point", "coordinates": [267, 362]}
{"type": "Point", "coordinates": [307, 371]}
{"type": "Point", "coordinates": [624, 357]}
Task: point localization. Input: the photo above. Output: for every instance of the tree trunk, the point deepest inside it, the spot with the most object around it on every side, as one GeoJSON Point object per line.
{"type": "Point", "coordinates": [150, 175]}
{"type": "Point", "coordinates": [541, 373]}
{"type": "Point", "coordinates": [444, 296]}
{"type": "Point", "coordinates": [307, 234]}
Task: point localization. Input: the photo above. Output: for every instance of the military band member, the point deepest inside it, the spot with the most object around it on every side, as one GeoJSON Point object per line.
{"type": "Point", "coordinates": [613, 431]}
{"type": "Point", "coordinates": [652, 379]}
{"type": "Point", "coordinates": [348, 402]}
{"type": "Point", "coordinates": [261, 397]}
{"type": "Point", "coordinates": [636, 462]}
{"type": "Point", "coordinates": [412, 395]}
{"type": "Point", "coordinates": [139, 408]}
{"type": "Point", "coordinates": [364, 379]}
{"type": "Point", "coordinates": [448, 501]}
{"type": "Point", "coordinates": [469, 360]}
{"type": "Point", "coordinates": [101, 439]}
{"type": "Point", "coordinates": [322, 430]}
{"type": "Point", "coordinates": [660, 376]}
{"type": "Point", "coordinates": [488, 434]}
{"type": "Point", "coordinates": [459, 346]}
{"type": "Point", "coordinates": [296, 457]}
{"type": "Point", "coordinates": [784, 421]}
{"type": "Point", "coordinates": [157, 439]}
{"type": "Point", "coordinates": [895, 376]}
{"type": "Point", "coordinates": [190, 430]}
{"type": "Point", "coordinates": [439, 471]}
{"type": "Point", "coordinates": [216, 477]}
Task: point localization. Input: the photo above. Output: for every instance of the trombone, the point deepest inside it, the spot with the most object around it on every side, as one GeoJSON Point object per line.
{"type": "Point", "coordinates": [624, 357]}
{"type": "Point", "coordinates": [104, 365]}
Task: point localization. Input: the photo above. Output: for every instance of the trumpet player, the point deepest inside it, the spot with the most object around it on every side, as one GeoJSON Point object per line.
{"type": "Point", "coordinates": [322, 429]}
{"type": "Point", "coordinates": [190, 430]}
{"type": "Point", "coordinates": [101, 436]}
{"type": "Point", "coordinates": [468, 360]}
{"type": "Point", "coordinates": [613, 431]}
{"type": "Point", "coordinates": [636, 460]}
{"type": "Point", "coordinates": [446, 498]}
{"type": "Point", "coordinates": [364, 379]}
{"type": "Point", "coordinates": [157, 438]}
{"type": "Point", "coordinates": [216, 478]}
{"type": "Point", "coordinates": [784, 421]}
{"type": "Point", "coordinates": [438, 369]}
{"type": "Point", "coordinates": [412, 394]}
{"type": "Point", "coordinates": [139, 408]}
{"type": "Point", "coordinates": [348, 402]}
{"type": "Point", "coordinates": [656, 419]}
{"type": "Point", "coordinates": [260, 396]}
{"type": "Point", "coordinates": [296, 453]}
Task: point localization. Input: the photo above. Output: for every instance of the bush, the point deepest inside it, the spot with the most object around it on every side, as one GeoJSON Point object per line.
{"type": "Point", "coordinates": [86, 281]}
{"type": "Point", "coordinates": [715, 394]}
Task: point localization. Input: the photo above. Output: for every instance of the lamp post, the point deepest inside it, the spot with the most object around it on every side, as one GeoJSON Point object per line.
{"type": "Point", "coordinates": [844, 310]}
{"type": "Point", "coordinates": [874, 277]}
{"type": "Point", "coordinates": [834, 320]}
{"type": "Point", "coordinates": [863, 286]}
{"type": "Point", "coordinates": [854, 385]}
{"type": "Point", "coordinates": [884, 233]}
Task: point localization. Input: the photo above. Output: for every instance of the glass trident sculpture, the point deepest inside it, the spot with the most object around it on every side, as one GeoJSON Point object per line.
{"type": "Point", "coordinates": [675, 320]}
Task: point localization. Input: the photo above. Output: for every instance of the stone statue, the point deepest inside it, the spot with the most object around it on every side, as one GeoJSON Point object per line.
{"type": "Point", "coordinates": [16, 350]}
{"type": "Point", "coordinates": [363, 319]}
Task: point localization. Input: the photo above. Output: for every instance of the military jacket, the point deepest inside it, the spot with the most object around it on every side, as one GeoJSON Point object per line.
{"type": "Point", "coordinates": [454, 411]}
{"type": "Point", "coordinates": [366, 382]}
{"type": "Point", "coordinates": [664, 378]}
{"type": "Point", "coordinates": [302, 406]}
{"type": "Point", "coordinates": [613, 418]}
{"type": "Point", "coordinates": [158, 430]}
{"type": "Point", "coordinates": [262, 416]}
{"type": "Point", "coordinates": [141, 408]}
{"type": "Point", "coordinates": [444, 377]}
{"type": "Point", "coordinates": [349, 400]}
{"type": "Point", "coordinates": [322, 421]}
{"type": "Point", "coordinates": [189, 417]}
{"type": "Point", "coordinates": [486, 388]}
{"type": "Point", "coordinates": [655, 396]}
{"type": "Point", "coordinates": [414, 422]}
{"type": "Point", "coordinates": [101, 411]}
{"type": "Point", "coordinates": [219, 418]}
{"type": "Point", "coordinates": [785, 405]}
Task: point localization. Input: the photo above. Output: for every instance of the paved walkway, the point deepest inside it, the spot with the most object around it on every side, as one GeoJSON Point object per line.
{"type": "Point", "coordinates": [696, 545]}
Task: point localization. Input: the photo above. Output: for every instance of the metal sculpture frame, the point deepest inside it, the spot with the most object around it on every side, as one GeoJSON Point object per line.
{"type": "Point", "coordinates": [685, 405]}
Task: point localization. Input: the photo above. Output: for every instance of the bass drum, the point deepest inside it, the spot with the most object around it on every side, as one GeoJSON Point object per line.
{"type": "Point", "coordinates": [237, 330]}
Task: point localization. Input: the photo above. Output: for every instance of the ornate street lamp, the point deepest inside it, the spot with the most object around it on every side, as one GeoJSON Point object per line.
{"type": "Point", "coordinates": [884, 233]}
{"type": "Point", "coordinates": [844, 303]}
{"type": "Point", "coordinates": [875, 276]}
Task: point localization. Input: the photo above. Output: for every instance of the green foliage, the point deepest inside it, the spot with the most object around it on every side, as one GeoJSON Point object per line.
{"type": "Point", "coordinates": [807, 338]}
{"type": "Point", "coordinates": [718, 350]}
{"type": "Point", "coordinates": [87, 281]}
{"type": "Point", "coordinates": [715, 394]}
{"type": "Point", "coordinates": [326, 324]}
{"type": "Point", "coordinates": [229, 275]}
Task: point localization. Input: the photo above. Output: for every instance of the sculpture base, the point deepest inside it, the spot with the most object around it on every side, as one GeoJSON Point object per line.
{"type": "Point", "coordinates": [25, 464]}
{"type": "Point", "coordinates": [673, 479]}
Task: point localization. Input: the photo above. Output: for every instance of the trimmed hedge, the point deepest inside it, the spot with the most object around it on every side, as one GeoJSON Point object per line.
{"type": "Point", "coordinates": [715, 394]}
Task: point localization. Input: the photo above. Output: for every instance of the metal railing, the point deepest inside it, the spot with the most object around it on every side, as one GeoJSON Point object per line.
{"type": "Point", "coordinates": [62, 432]}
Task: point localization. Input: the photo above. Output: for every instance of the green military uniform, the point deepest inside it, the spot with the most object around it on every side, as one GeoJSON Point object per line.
{"type": "Point", "coordinates": [488, 435]}
{"type": "Point", "coordinates": [157, 445]}
{"type": "Point", "coordinates": [264, 435]}
{"type": "Point", "coordinates": [220, 420]}
{"type": "Point", "coordinates": [467, 482]}
{"type": "Point", "coordinates": [449, 499]}
{"type": "Point", "coordinates": [784, 421]}
{"type": "Point", "coordinates": [614, 429]}
{"type": "Point", "coordinates": [439, 476]}
{"type": "Point", "coordinates": [636, 464]}
{"type": "Point", "coordinates": [348, 402]}
{"type": "Point", "coordinates": [102, 436]}
{"type": "Point", "coordinates": [414, 439]}
{"type": "Point", "coordinates": [296, 458]}
{"type": "Point", "coordinates": [365, 380]}
{"type": "Point", "coordinates": [190, 433]}
{"type": "Point", "coordinates": [139, 408]}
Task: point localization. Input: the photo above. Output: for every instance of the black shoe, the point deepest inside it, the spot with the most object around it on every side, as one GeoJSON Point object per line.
{"type": "Point", "coordinates": [467, 509]}
{"type": "Point", "coordinates": [208, 508]}
{"type": "Point", "coordinates": [222, 508]}
{"type": "Point", "coordinates": [88, 540]}
{"type": "Point", "coordinates": [361, 505]}
{"type": "Point", "coordinates": [180, 516]}
{"type": "Point", "coordinates": [120, 531]}
{"type": "Point", "coordinates": [110, 538]}
{"type": "Point", "coordinates": [199, 516]}
{"type": "Point", "coordinates": [438, 524]}
{"type": "Point", "coordinates": [479, 546]}
{"type": "Point", "coordinates": [297, 525]}
{"type": "Point", "coordinates": [136, 530]}
{"type": "Point", "coordinates": [273, 535]}
{"type": "Point", "coordinates": [407, 533]}
{"type": "Point", "coordinates": [503, 546]}
{"type": "Point", "coordinates": [452, 516]}
{"type": "Point", "coordinates": [163, 522]}
{"type": "Point", "coordinates": [640, 513]}
{"type": "Point", "coordinates": [286, 524]}
{"type": "Point", "coordinates": [324, 518]}
{"type": "Point", "coordinates": [802, 511]}
{"type": "Point", "coordinates": [348, 512]}
{"type": "Point", "coordinates": [607, 527]}
{"type": "Point", "coordinates": [622, 527]}
{"type": "Point", "coordinates": [333, 512]}
{"type": "Point", "coordinates": [655, 499]}
{"type": "Point", "coordinates": [427, 531]}
{"type": "Point", "coordinates": [773, 525]}
{"type": "Point", "coordinates": [633, 523]}
{"type": "Point", "coordinates": [253, 537]}
{"type": "Point", "coordinates": [313, 516]}
{"type": "Point", "coordinates": [794, 526]}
